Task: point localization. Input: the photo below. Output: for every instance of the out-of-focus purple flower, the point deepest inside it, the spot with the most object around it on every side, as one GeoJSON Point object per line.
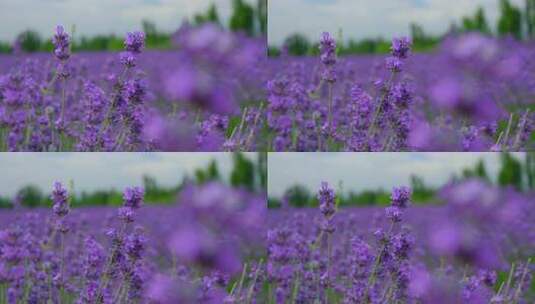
{"type": "Point", "coordinates": [447, 93]}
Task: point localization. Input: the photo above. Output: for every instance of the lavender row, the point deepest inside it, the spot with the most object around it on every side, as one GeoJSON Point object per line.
{"type": "Point", "coordinates": [205, 249]}
{"type": "Point", "coordinates": [205, 95]}
{"type": "Point", "coordinates": [475, 249]}
{"type": "Point", "coordinates": [475, 93]}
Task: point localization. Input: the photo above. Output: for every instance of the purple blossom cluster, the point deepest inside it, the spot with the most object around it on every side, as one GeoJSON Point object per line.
{"type": "Point", "coordinates": [137, 253]}
{"type": "Point", "coordinates": [472, 94]}
{"type": "Point", "coordinates": [474, 249]}
{"type": "Point", "coordinates": [203, 95]}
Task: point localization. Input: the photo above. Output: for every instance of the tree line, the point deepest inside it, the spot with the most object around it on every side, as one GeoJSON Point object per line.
{"type": "Point", "coordinates": [250, 19]}
{"type": "Point", "coordinates": [247, 174]}
{"type": "Point", "coordinates": [514, 21]}
{"type": "Point", "coordinates": [514, 172]}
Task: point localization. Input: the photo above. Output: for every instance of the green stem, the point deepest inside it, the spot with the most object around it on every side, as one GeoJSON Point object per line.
{"type": "Point", "coordinates": [255, 278]}
{"type": "Point", "coordinates": [2, 294]}
{"type": "Point", "coordinates": [381, 101]}
{"type": "Point", "coordinates": [328, 266]}
{"type": "Point", "coordinates": [62, 266]}
{"type": "Point", "coordinates": [371, 279]}
{"type": "Point", "coordinates": [330, 116]}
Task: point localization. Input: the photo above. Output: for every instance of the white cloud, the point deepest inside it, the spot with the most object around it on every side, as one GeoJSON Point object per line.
{"type": "Point", "coordinates": [369, 18]}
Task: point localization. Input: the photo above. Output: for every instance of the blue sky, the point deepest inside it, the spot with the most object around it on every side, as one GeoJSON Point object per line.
{"type": "Point", "coordinates": [359, 171]}
{"type": "Point", "coordinates": [98, 16]}
{"type": "Point", "coordinates": [91, 171]}
{"type": "Point", "coordinates": [368, 18]}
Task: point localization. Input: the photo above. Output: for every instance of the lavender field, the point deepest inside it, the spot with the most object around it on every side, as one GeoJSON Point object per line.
{"type": "Point", "coordinates": [204, 94]}
{"type": "Point", "coordinates": [476, 248]}
{"type": "Point", "coordinates": [474, 93]}
{"type": "Point", "coordinates": [207, 248]}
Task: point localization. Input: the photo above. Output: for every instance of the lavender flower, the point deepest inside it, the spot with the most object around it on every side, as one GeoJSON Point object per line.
{"type": "Point", "coordinates": [134, 42]}
{"type": "Point", "coordinates": [61, 41]}
{"type": "Point", "coordinates": [60, 200]}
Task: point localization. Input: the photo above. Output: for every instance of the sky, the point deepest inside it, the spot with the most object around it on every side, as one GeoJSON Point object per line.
{"type": "Point", "coordinates": [97, 171]}
{"type": "Point", "coordinates": [93, 17]}
{"type": "Point", "coordinates": [361, 171]}
{"type": "Point", "coordinates": [369, 18]}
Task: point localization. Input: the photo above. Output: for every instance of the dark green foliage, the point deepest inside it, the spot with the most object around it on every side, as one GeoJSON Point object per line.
{"type": "Point", "coordinates": [242, 18]}
{"type": "Point", "coordinates": [511, 172]}
{"type": "Point", "coordinates": [421, 193]}
{"type": "Point", "coordinates": [5, 203]}
{"type": "Point", "coordinates": [31, 196]}
{"type": "Point", "coordinates": [297, 45]}
{"type": "Point", "coordinates": [510, 22]}
{"type": "Point", "coordinates": [298, 196]}
{"type": "Point", "coordinates": [476, 23]}
{"type": "Point", "coordinates": [211, 173]}
{"type": "Point", "coordinates": [5, 47]}
{"type": "Point", "coordinates": [530, 170]}
{"type": "Point", "coordinates": [262, 171]}
{"type": "Point", "coordinates": [262, 16]}
{"type": "Point", "coordinates": [30, 41]}
{"type": "Point", "coordinates": [479, 171]}
{"type": "Point", "coordinates": [210, 16]}
{"type": "Point", "coordinates": [529, 16]}
{"type": "Point", "coordinates": [242, 175]}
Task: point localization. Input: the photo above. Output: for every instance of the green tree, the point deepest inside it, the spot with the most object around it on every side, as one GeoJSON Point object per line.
{"type": "Point", "coordinates": [31, 196]}
{"type": "Point", "coordinates": [242, 174]}
{"type": "Point", "coordinates": [149, 184]}
{"type": "Point", "coordinates": [479, 171]}
{"type": "Point", "coordinates": [210, 16]}
{"type": "Point", "coordinates": [261, 16]}
{"type": "Point", "coordinates": [298, 196]}
{"type": "Point", "coordinates": [510, 22]}
{"type": "Point", "coordinates": [510, 172]}
{"type": "Point", "coordinates": [530, 170]}
{"type": "Point", "coordinates": [212, 171]}
{"type": "Point", "coordinates": [30, 41]}
{"type": "Point", "coordinates": [530, 18]}
{"type": "Point", "coordinates": [478, 22]}
{"type": "Point", "coordinates": [261, 171]}
{"type": "Point", "coordinates": [297, 45]}
{"type": "Point", "coordinates": [242, 18]}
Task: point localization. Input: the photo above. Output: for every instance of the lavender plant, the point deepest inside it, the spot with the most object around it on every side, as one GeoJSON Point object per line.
{"type": "Point", "coordinates": [475, 249]}
{"type": "Point", "coordinates": [473, 94]}
{"type": "Point", "coordinates": [136, 254]}
{"type": "Point", "coordinates": [199, 96]}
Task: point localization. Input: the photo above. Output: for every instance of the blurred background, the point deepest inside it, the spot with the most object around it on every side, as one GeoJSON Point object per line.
{"type": "Point", "coordinates": [98, 179]}
{"type": "Point", "coordinates": [366, 179]}
{"type": "Point", "coordinates": [367, 26]}
{"type": "Point", "coordinates": [100, 25]}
